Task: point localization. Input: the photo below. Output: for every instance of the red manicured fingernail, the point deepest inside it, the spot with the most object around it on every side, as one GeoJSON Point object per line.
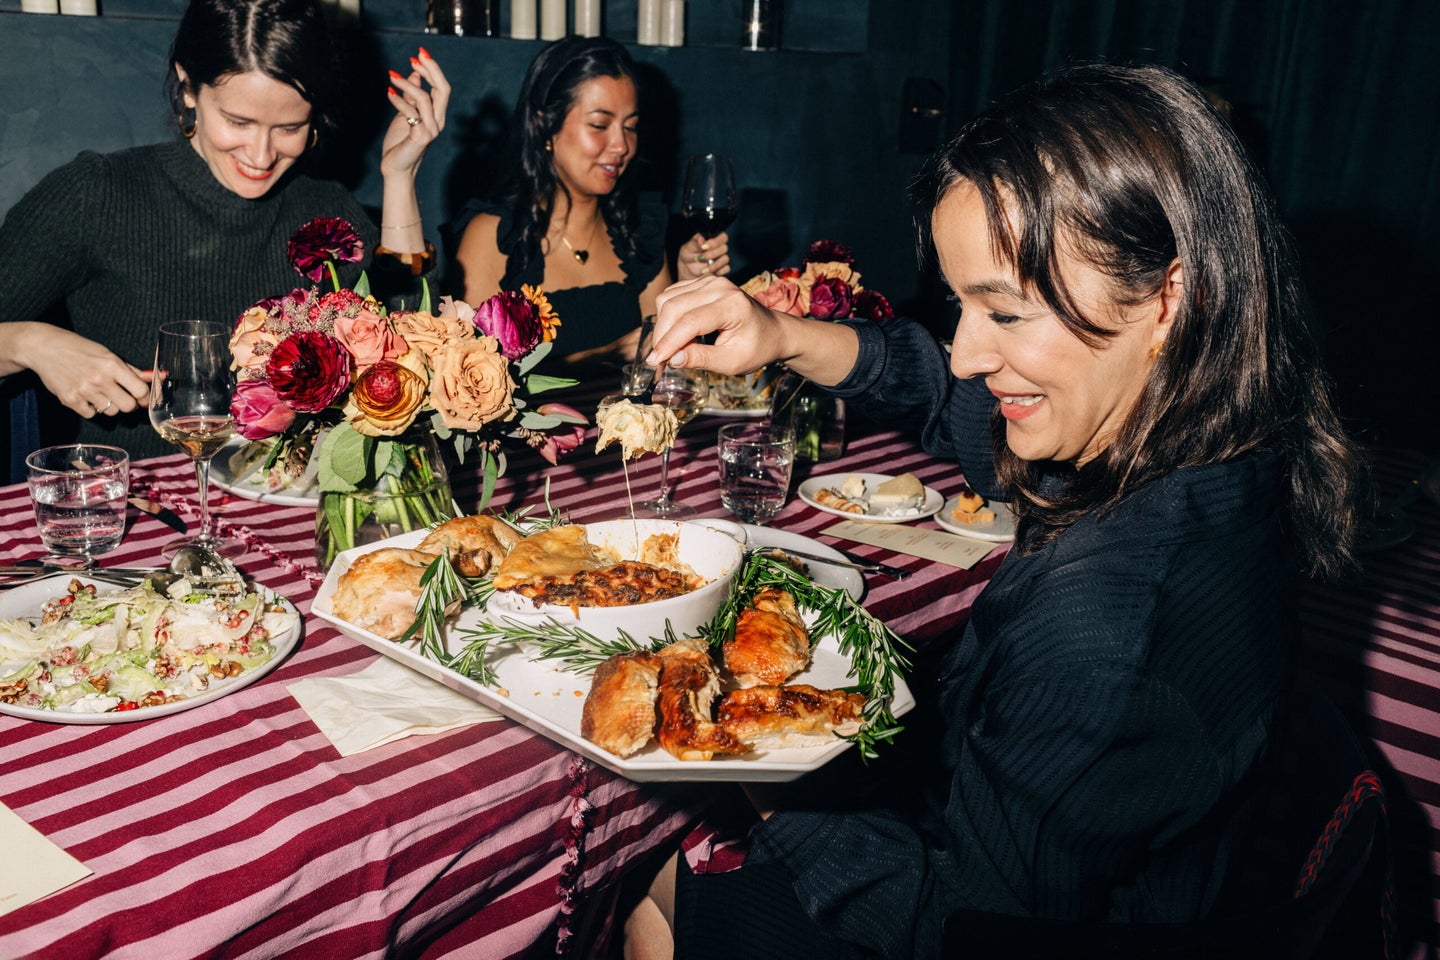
{"type": "Point", "coordinates": [395, 76]}
{"type": "Point", "coordinates": [392, 91]}
{"type": "Point", "coordinates": [426, 54]}
{"type": "Point", "coordinates": [415, 63]}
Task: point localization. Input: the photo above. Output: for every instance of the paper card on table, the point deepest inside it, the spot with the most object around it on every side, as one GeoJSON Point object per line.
{"type": "Point", "coordinates": [47, 868]}
{"type": "Point", "coordinates": [382, 703]}
{"type": "Point", "coordinates": [945, 548]}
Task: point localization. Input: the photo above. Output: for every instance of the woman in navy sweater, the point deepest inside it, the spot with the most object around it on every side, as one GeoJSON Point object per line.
{"type": "Point", "coordinates": [1132, 370]}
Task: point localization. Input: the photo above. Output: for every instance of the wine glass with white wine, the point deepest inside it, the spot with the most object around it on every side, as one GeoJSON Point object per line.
{"type": "Point", "coordinates": [684, 393]}
{"type": "Point", "coordinates": [190, 395]}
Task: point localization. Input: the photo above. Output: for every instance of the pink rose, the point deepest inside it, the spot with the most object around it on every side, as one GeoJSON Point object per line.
{"type": "Point", "coordinates": [830, 299]}
{"type": "Point", "coordinates": [258, 410]}
{"type": "Point", "coordinates": [782, 295]}
{"type": "Point", "coordinates": [564, 438]}
{"type": "Point", "coordinates": [369, 338]}
{"type": "Point", "coordinates": [251, 343]}
{"type": "Point", "coordinates": [308, 370]}
{"type": "Point", "coordinates": [511, 319]}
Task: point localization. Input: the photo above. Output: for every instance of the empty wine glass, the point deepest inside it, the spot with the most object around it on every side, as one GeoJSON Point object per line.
{"type": "Point", "coordinates": [684, 392]}
{"type": "Point", "coordinates": [708, 204]}
{"type": "Point", "coordinates": [190, 405]}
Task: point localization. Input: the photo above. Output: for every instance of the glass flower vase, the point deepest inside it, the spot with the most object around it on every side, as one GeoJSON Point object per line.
{"type": "Point", "coordinates": [817, 418]}
{"type": "Point", "coordinates": [411, 494]}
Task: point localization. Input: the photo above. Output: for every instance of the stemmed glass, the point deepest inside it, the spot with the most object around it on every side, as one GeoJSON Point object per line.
{"type": "Point", "coordinates": [708, 204]}
{"type": "Point", "coordinates": [190, 405]}
{"type": "Point", "coordinates": [684, 392]}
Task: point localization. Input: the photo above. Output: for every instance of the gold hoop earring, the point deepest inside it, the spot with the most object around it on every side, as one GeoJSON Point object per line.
{"type": "Point", "coordinates": [188, 121]}
{"type": "Point", "coordinates": [314, 137]}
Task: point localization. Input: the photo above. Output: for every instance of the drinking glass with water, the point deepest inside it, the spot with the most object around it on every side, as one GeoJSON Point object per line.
{"type": "Point", "coordinates": [755, 464]}
{"type": "Point", "coordinates": [79, 491]}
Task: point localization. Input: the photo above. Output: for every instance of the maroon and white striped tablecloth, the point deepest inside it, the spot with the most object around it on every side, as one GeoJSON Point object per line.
{"type": "Point", "coordinates": [236, 830]}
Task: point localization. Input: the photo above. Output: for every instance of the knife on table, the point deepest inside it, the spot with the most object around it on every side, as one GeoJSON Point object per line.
{"type": "Point", "coordinates": [164, 514]}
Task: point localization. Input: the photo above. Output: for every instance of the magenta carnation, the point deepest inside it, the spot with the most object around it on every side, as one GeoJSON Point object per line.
{"type": "Point", "coordinates": [511, 319]}
{"type": "Point", "coordinates": [308, 370]}
{"type": "Point", "coordinates": [830, 299]}
{"type": "Point", "coordinates": [828, 251]}
{"type": "Point", "coordinates": [324, 238]}
{"type": "Point", "coordinates": [258, 410]}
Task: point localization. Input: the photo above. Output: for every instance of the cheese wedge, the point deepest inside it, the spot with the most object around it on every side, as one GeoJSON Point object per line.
{"type": "Point", "coordinates": [904, 492]}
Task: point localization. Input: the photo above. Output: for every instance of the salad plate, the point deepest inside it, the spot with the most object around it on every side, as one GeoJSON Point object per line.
{"type": "Point", "coordinates": [26, 601]}
{"type": "Point", "coordinates": [303, 492]}
{"type": "Point", "coordinates": [549, 700]}
{"type": "Point", "coordinates": [808, 490]}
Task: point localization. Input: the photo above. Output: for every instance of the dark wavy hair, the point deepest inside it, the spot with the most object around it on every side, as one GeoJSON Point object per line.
{"type": "Point", "coordinates": [1134, 168]}
{"type": "Point", "coordinates": [286, 40]}
{"type": "Point", "coordinates": [545, 99]}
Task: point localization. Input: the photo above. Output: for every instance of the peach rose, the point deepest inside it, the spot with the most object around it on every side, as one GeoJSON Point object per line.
{"type": "Point", "coordinates": [387, 395]}
{"type": "Point", "coordinates": [782, 295]}
{"type": "Point", "coordinates": [251, 343]}
{"type": "Point", "coordinates": [471, 384]}
{"type": "Point", "coordinates": [840, 271]}
{"type": "Point", "coordinates": [369, 338]}
{"type": "Point", "coordinates": [428, 333]}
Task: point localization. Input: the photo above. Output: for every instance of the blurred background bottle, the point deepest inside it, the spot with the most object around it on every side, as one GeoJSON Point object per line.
{"type": "Point", "coordinates": [762, 25]}
{"type": "Point", "coordinates": [463, 18]}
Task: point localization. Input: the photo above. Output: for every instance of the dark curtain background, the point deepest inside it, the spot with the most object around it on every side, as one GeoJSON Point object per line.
{"type": "Point", "coordinates": [1340, 103]}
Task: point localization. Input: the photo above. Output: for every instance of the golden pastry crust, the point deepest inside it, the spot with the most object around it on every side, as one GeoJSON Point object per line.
{"type": "Point", "coordinates": [476, 544]}
{"type": "Point", "coordinates": [770, 644]}
{"type": "Point", "coordinates": [557, 552]}
{"type": "Point", "coordinates": [836, 501]}
{"type": "Point", "coordinates": [379, 591]}
{"type": "Point", "coordinates": [619, 712]}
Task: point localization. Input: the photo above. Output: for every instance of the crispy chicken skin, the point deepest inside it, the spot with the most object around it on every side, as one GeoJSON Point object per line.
{"type": "Point", "coordinates": [771, 643]}
{"type": "Point", "coordinates": [797, 715]}
{"type": "Point", "coordinates": [688, 687]}
{"type": "Point", "coordinates": [619, 713]}
{"type": "Point", "coordinates": [477, 544]}
{"type": "Point", "coordinates": [379, 591]}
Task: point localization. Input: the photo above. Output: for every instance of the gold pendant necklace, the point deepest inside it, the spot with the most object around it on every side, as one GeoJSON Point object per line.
{"type": "Point", "coordinates": [580, 255]}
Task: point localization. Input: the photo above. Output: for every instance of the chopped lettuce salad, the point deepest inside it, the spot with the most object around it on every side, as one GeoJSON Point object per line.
{"type": "Point", "coordinates": [97, 653]}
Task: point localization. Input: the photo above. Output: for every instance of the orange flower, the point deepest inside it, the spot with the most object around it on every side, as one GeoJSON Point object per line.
{"type": "Point", "coordinates": [471, 384]}
{"type": "Point", "coordinates": [549, 321]}
{"type": "Point", "coordinates": [387, 395]}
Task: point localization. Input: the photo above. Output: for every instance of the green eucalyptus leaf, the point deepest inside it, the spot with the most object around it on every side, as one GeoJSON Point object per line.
{"type": "Point", "coordinates": [362, 286]}
{"type": "Point", "coordinates": [342, 460]}
{"type": "Point", "coordinates": [527, 363]}
{"type": "Point", "coordinates": [490, 471]}
{"type": "Point", "coordinates": [424, 295]}
{"type": "Point", "coordinates": [540, 382]}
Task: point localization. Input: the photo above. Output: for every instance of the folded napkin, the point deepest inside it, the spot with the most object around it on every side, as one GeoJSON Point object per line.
{"type": "Point", "coordinates": [382, 703]}
{"type": "Point", "coordinates": [46, 869]}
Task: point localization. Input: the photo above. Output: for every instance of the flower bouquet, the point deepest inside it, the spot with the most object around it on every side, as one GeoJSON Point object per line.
{"type": "Point", "coordinates": [826, 287]}
{"type": "Point", "coordinates": [363, 396]}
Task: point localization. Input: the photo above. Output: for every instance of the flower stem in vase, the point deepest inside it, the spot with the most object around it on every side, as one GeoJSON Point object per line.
{"type": "Point", "coordinates": [413, 498]}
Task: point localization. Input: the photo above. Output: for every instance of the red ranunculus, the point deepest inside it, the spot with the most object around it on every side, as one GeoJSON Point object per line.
{"type": "Point", "coordinates": [872, 305]}
{"type": "Point", "coordinates": [324, 238]}
{"type": "Point", "coordinates": [828, 251]}
{"type": "Point", "coordinates": [511, 319]}
{"type": "Point", "coordinates": [258, 411]}
{"type": "Point", "coordinates": [830, 298]}
{"type": "Point", "coordinates": [564, 438]}
{"type": "Point", "coordinates": [308, 370]}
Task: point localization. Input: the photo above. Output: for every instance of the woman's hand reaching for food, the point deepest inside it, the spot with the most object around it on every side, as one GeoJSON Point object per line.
{"type": "Point", "coordinates": [82, 374]}
{"type": "Point", "coordinates": [747, 335]}
{"type": "Point", "coordinates": [699, 257]}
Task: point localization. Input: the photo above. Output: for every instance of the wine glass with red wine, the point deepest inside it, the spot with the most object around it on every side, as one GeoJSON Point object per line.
{"type": "Point", "coordinates": [709, 203]}
{"type": "Point", "coordinates": [190, 405]}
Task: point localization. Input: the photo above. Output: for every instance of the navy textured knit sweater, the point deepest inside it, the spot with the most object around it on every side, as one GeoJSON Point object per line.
{"type": "Point", "coordinates": [133, 239]}
{"type": "Point", "coordinates": [1103, 709]}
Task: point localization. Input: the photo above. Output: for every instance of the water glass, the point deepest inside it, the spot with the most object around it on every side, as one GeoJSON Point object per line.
{"type": "Point", "coordinates": [79, 492]}
{"type": "Point", "coordinates": [755, 464]}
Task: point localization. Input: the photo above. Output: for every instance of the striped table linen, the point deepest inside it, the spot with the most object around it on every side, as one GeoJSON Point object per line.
{"type": "Point", "coordinates": [236, 830]}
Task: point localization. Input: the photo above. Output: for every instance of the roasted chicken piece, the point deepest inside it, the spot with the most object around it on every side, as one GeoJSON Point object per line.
{"type": "Point", "coordinates": [476, 544]}
{"type": "Point", "coordinates": [798, 715]}
{"type": "Point", "coordinates": [379, 591]}
{"type": "Point", "coordinates": [688, 687]}
{"type": "Point", "coordinates": [771, 643]}
{"type": "Point", "coordinates": [619, 713]}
